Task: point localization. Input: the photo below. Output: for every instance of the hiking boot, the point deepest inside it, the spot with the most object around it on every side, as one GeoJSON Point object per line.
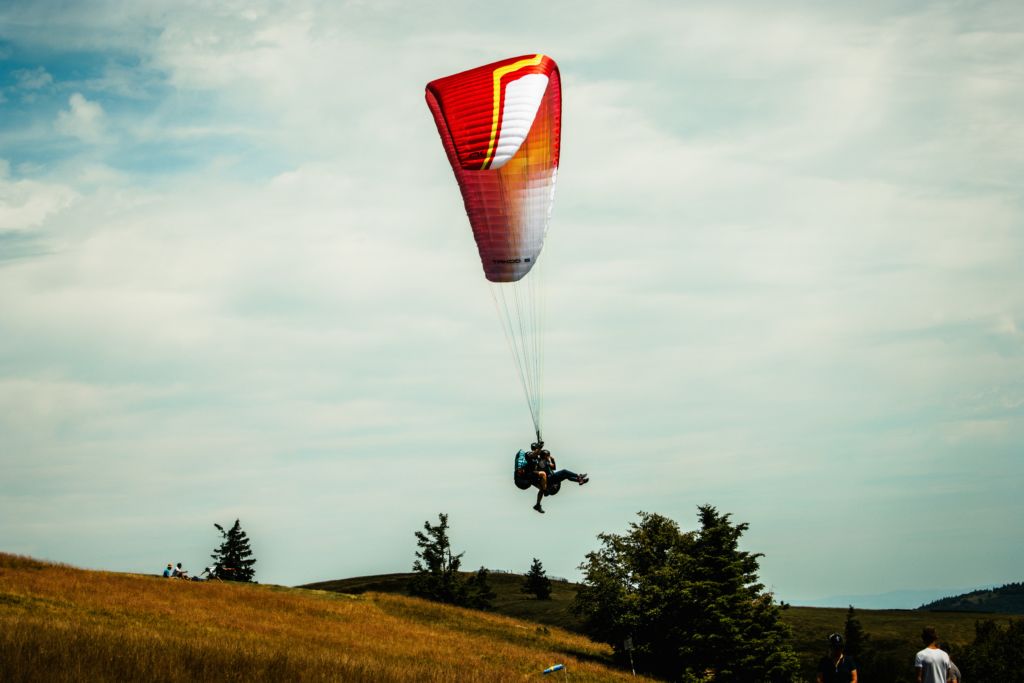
{"type": "Point", "coordinates": [538, 508]}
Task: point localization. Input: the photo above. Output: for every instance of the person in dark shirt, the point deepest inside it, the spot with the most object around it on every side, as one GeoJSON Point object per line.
{"type": "Point", "coordinates": [836, 667]}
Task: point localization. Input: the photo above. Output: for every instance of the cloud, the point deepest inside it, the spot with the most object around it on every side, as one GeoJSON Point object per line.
{"type": "Point", "coordinates": [83, 119]}
{"type": "Point", "coordinates": [25, 205]}
{"type": "Point", "coordinates": [32, 79]}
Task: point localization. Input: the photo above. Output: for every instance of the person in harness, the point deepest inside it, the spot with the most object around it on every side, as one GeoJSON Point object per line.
{"type": "Point", "coordinates": [537, 467]}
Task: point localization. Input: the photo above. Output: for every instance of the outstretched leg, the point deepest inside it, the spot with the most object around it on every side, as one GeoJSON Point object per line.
{"type": "Point", "coordinates": [562, 475]}
{"type": "Point", "coordinates": [542, 486]}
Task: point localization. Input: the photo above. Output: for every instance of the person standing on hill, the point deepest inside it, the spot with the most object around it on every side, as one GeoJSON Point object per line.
{"type": "Point", "coordinates": [836, 667]}
{"type": "Point", "coordinates": [932, 664]}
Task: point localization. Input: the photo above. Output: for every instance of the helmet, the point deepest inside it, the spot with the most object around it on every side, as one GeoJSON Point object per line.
{"type": "Point", "coordinates": [835, 640]}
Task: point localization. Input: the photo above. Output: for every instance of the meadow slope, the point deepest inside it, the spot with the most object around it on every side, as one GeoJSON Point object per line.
{"type": "Point", "coordinates": [59, 623]}
{"type": "Point", "coordinates": [510, 599]}
{"type": "Point", "coordinates": [895, 634]}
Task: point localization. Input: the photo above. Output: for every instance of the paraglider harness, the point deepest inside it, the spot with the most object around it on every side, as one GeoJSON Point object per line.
{"type": "Point", "coordinates": [526, 468]}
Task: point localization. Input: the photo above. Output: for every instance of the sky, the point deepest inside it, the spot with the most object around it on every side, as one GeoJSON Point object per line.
{"type": "Point", "coordinates": [783, 278]}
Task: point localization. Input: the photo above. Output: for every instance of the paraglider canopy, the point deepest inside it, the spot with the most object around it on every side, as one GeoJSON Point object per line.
{"type": "Point", "coordinates": [500, 125]}
{"type": "Point", "coordinates": [501, 128]}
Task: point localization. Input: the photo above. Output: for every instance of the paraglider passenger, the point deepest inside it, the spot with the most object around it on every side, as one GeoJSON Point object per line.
{"type": "Point", "coordinates": [544, 474]}
{"type": "Point", "coordinates": [556, 475]}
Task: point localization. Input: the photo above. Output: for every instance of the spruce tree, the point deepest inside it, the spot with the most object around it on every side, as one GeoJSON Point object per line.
{"type": "Point", "coordinates": [436, 569]}
{"type": "Point", "coordinates": [478, 590]}
{"type": "Point", "coordinates": [855, 637]}
{"type": "Point", "coordinates": [536, 581]}
{"type": "Point", "coordinates": [233, 558]}
{"type": "Point", "coordinates": [690, 602]}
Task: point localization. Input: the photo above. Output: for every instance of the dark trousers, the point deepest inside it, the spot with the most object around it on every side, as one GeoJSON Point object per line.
{"type": "Point", "coordinates": [562, 475]}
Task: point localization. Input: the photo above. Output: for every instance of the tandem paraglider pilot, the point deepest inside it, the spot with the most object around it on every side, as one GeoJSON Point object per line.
{"type": "Point", "coordinates": [537, 467]}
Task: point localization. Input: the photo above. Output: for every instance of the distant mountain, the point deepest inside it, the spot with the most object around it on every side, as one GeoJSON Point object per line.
{"type": "Point", "coordinates": [1007, 599]}
{"type": "Point", "coordinates": [900, 599]}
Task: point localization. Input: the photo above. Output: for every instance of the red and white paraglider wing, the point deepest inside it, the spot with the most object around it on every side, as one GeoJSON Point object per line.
{"type": "Point", "coordinates": [501, 125]}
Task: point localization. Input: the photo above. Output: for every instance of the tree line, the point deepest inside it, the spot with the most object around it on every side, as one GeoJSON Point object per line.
{"type": "Point", "coordinates": [679, 605]}
{"type": "Point", "coordinates": [688, 606]}
{"type": "Point", "coordinates": [994, 655]}
{"type": "Point", "coordinates": [437, 573]}
{"type": "Point", "coordinates": [682, 605]}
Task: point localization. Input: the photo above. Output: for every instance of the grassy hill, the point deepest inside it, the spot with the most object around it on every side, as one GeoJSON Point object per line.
{"type": "Point", "coordinates": [511, 601]}
{"type": "Point", "coordinates": [1007, 599]}
{"type": "Point", "coordinates": [894, 633]}
{"type": "Point", "coordinates": [58, 623]}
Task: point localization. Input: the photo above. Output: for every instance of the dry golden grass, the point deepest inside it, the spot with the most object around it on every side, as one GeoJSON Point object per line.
{"type": "Point", "coordinates": [58, 623]}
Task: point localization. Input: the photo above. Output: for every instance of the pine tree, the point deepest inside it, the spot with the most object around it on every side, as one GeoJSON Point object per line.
{"type": "Point", "coordinates": [478, 591]}
{"type": "Point", "coordinates": [855, 637]}
{"type": "Point", "coordinates": [233, 559]}
{"type": "Point", "coordinates": [690, 602]}
{"type": "Point", "coordinates": [536, 581]}
{"type": "Point", "coordinates": [436, 569]}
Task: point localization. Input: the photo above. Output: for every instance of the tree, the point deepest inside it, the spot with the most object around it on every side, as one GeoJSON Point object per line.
{"type": "Point", "coordinates": [995, 653]}
{"type": "Point", "coordinates": [691, 602]}
{"type": "Point", "coordinates": [436, 569]}
{"type": "Point", "coordinates": [233, 559]}
{"type": "Point", "coordinates": [478, 590]}
{"type": "Point", "coordinates": [536, 581]}
{"type": "Point", "coordinates": [855, 637]}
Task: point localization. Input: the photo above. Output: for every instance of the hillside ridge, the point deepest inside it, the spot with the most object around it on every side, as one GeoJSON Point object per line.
{"type": "Point", "coordinates": [1006, 599]}
{"type": "Point", "coordinates": [61, 623]}
{"type": "Point", "coordinates": [510, 600]}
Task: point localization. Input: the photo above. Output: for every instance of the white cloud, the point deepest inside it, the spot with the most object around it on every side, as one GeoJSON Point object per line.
{"type": "Point", "coordinates": [83, 119]}
{"type": "Point", "coordinates": [27, 204]}
{"type": "Point", "coordinates": [32, 79]}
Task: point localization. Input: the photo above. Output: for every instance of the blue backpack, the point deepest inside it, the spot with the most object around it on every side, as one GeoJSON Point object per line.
{"type": "Point", "coordinates": [522, 475]}
{"type": "Point", "coordinates": [521, 471]}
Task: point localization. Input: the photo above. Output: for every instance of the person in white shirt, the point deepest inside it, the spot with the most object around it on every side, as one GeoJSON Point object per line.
{"type": "Point", "coordinates": [932, 664]}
